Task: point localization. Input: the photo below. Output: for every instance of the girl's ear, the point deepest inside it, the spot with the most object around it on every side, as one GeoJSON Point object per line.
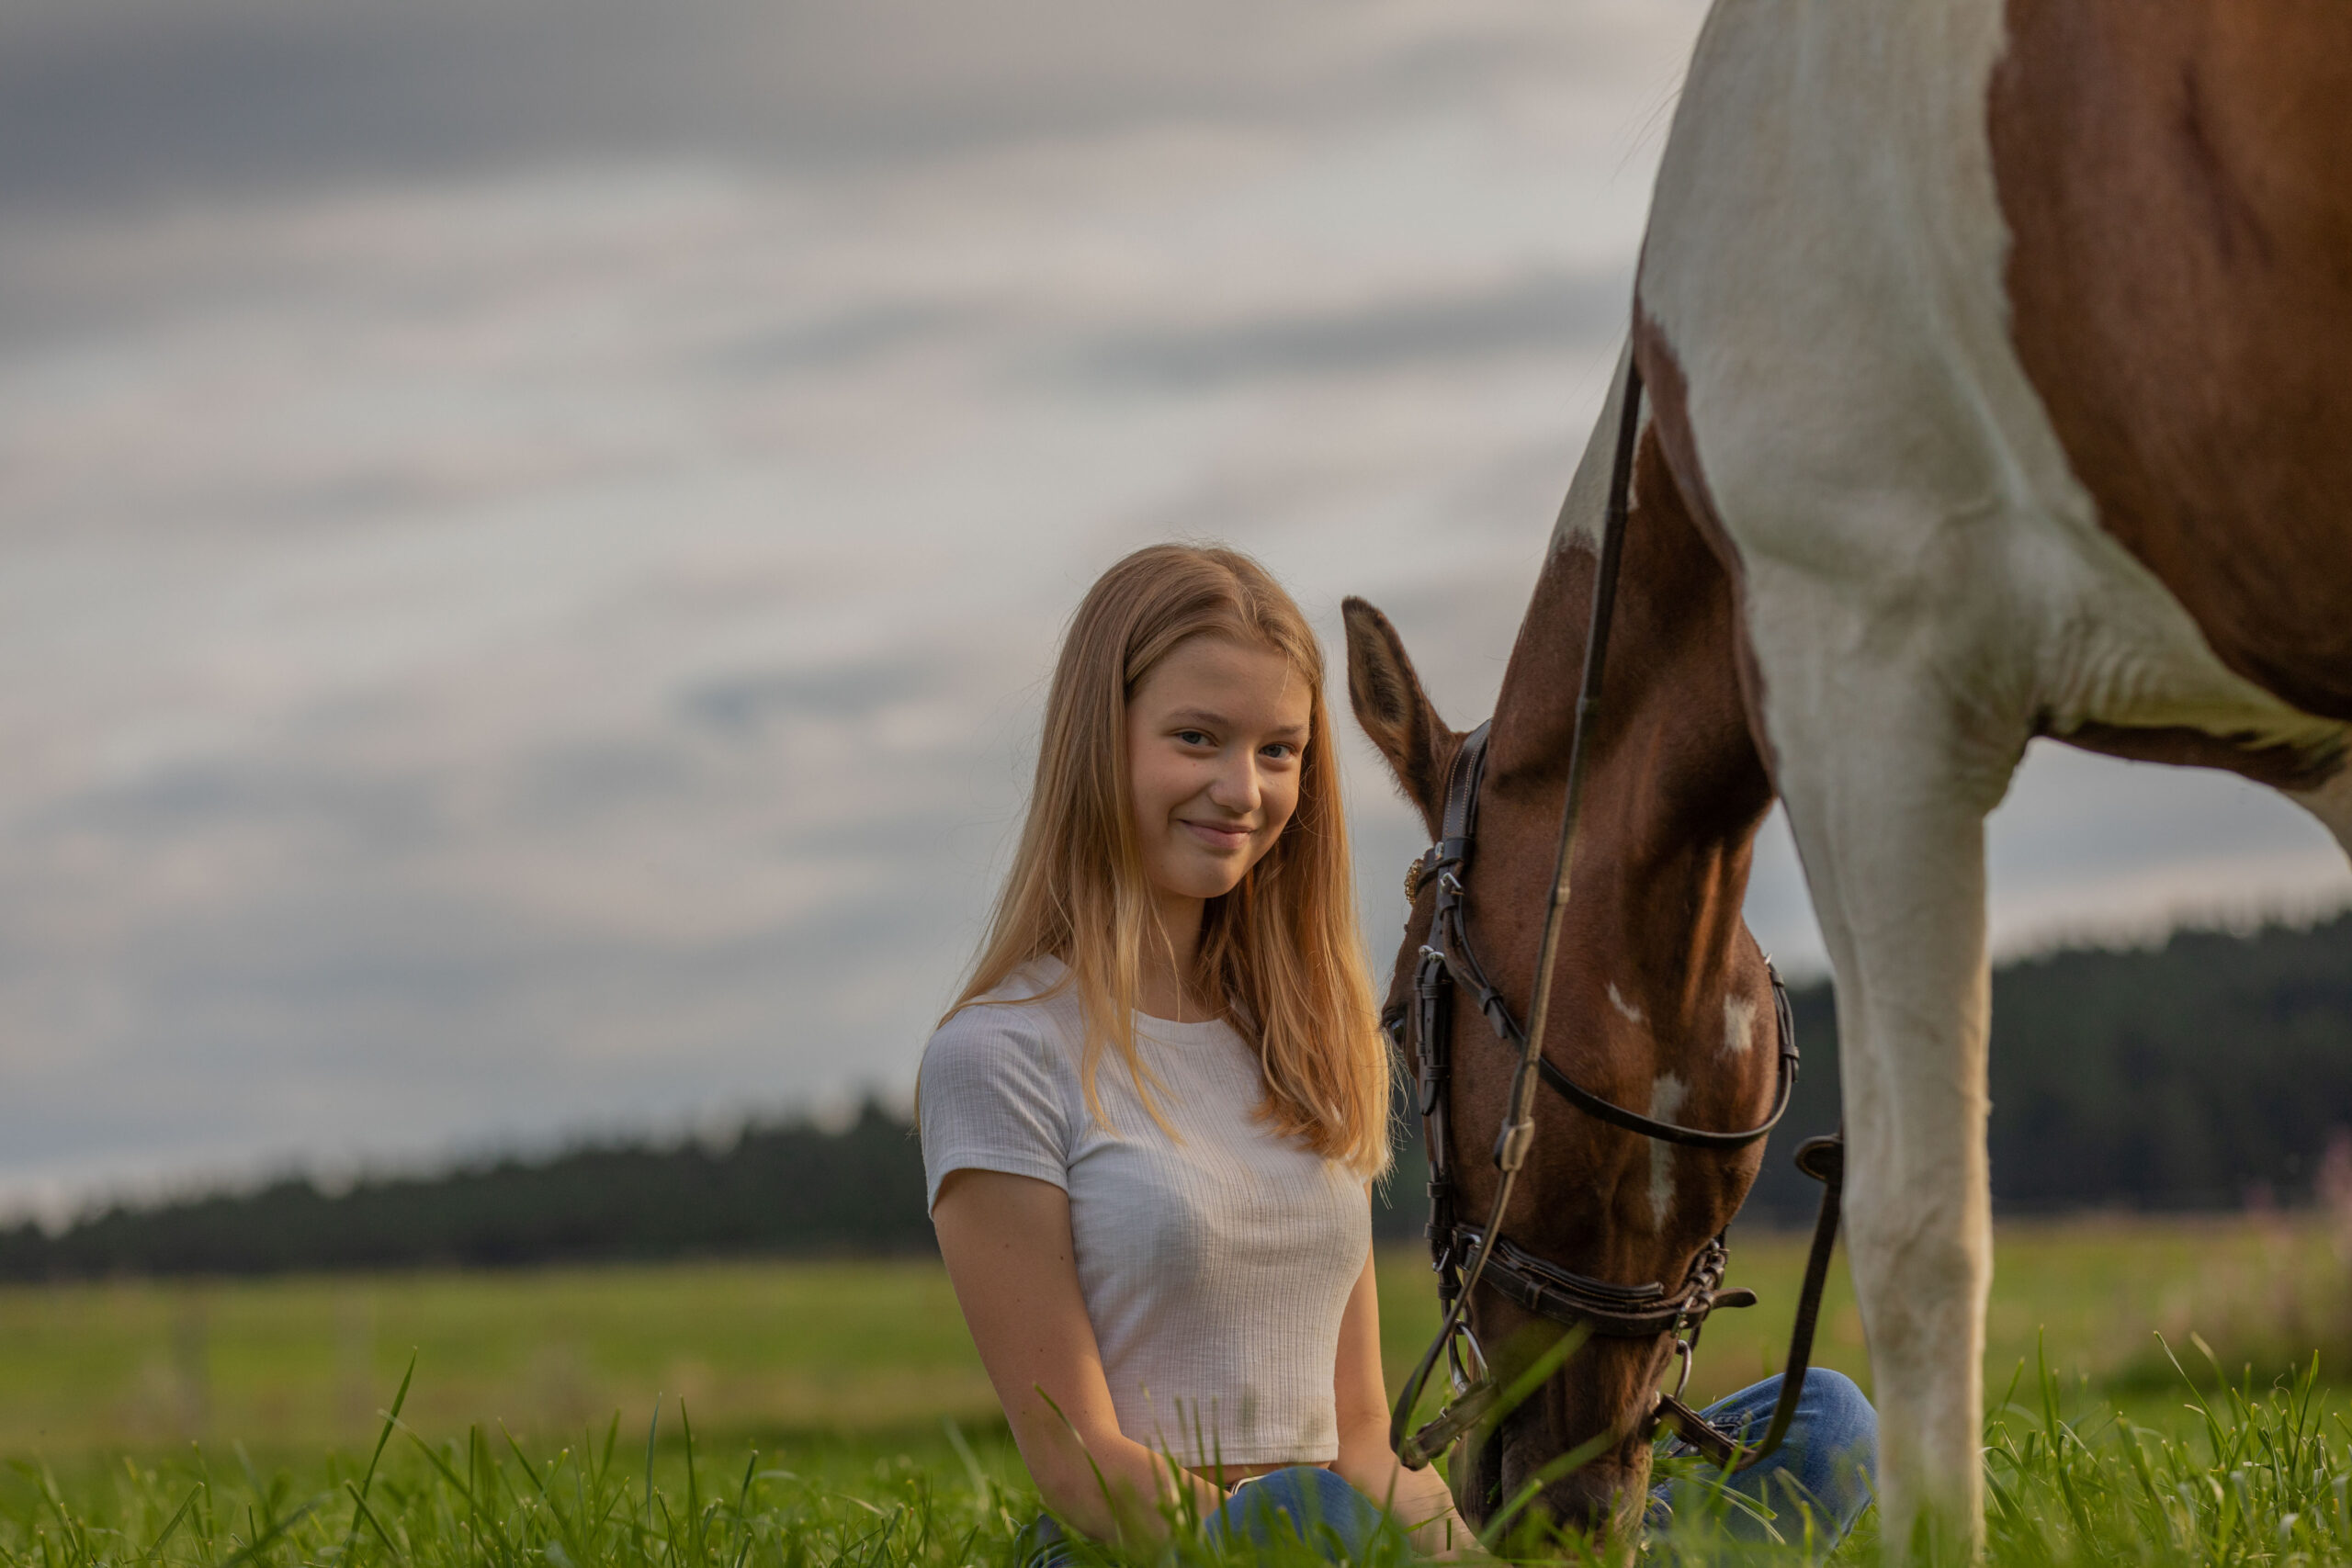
{"type": "Point", "coordinates": [1389, 702]}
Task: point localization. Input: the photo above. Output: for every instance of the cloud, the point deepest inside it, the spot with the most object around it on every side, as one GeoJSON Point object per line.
{"type": "Point", "coordinates": [1546, 310]}
{"type": "Point", "coordinates": [146, 100]}
{"type": "Point", "coordinates": [753, 699]}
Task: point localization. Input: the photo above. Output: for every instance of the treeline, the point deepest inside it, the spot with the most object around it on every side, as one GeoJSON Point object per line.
{"type": "Point", "coordinates": [785, 1188]}
{"type": "Point", "coordinates": [2207, 1073]}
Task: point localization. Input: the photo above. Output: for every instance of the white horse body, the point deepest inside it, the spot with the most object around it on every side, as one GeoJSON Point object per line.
{"type": "Point", "coordinates": [1926, 586]}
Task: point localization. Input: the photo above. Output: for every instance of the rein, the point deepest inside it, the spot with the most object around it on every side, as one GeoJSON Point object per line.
{"type": "Point", "coordinates": [1466, 1256]}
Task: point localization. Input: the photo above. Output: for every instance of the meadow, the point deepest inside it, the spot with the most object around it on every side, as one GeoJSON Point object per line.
{"type": "Point", "coordinates": [829, 1411]}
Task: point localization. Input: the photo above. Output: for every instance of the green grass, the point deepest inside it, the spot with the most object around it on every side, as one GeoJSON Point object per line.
{"type": "Point", "coordinates": [2258, 1478]}
{"type": "Point", "coordinates": [284, 1365]}
{"type": "Point", "coordinates": [839, 1416]}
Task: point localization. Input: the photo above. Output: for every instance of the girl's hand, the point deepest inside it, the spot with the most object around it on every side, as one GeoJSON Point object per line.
{"type": "Point", "coordinates": [1418, 1499]}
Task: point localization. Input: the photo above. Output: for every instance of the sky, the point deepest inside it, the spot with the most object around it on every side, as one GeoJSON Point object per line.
{"type": "Point", "coordinates": [532, 531]}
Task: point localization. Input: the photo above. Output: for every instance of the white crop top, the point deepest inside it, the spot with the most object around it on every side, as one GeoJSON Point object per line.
{"type": "Point", "coordinates": [1215, 1268]}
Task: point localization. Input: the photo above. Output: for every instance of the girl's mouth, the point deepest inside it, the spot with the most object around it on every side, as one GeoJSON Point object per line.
{"type": "Point", "coordinates": [1218, 837]}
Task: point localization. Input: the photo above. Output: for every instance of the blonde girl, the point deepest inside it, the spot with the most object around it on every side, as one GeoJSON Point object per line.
{"type": "Point", "coordinates": [1150, 1121]}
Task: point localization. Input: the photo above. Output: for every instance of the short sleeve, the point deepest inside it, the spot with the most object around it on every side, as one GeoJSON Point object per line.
{"type": "Point", "coordinates": [991, 1098]}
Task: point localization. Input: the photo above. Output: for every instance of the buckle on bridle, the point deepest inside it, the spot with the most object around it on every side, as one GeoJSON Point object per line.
{"type": "Point", "coordinates": [1417, 1452]}
{"type": "Point", "coordinates": [1466, 1379]}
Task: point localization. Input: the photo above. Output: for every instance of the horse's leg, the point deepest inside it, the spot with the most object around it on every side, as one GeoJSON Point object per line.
{"type": "Point", "coordinates": [1888, 792]}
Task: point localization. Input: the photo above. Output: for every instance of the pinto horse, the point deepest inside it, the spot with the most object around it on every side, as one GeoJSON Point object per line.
{"type": "Point", "coordinates": [1995, 355]}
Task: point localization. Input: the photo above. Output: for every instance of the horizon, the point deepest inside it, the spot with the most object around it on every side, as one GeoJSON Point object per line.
{"type": "Point", "coordinates": [720, 1128]}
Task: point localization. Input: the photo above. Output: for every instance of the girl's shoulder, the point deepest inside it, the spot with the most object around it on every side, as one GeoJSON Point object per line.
{"type": "Point", "coordinates": [1008, 1059]}
{"type": "Point", "coordinates": [1033, 1016]}
{"type": "Point", "coordinates": [1036, 983]}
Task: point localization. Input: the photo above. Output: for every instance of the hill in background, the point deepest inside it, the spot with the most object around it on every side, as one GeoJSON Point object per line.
{"type": "Point", "coordinates": [2205, 1074]}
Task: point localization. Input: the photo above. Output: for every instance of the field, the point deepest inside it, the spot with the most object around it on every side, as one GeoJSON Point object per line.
{"type": "Point", "coordinates": [825, 1397]}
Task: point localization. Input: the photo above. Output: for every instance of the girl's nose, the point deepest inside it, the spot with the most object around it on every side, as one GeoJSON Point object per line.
{"type": "Point", "coordinates": [1236, 788]}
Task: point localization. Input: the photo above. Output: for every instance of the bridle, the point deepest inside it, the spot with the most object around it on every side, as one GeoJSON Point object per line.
{"type": "Point", "coordinates": [1599, 1307]}
{"type": "Point", "coordinates": [1467, 1256]}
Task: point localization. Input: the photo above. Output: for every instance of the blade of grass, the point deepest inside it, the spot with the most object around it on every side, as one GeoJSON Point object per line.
{"type": "Point", "coordinates": [651, 1428]}
{"type": "Point", "coordinates": [359, 1503]}
{"type": "Point", "coordinates": [383, 1436]}
{"type": "Point", "coordinates": [433, 1457]}
{"type": "Point", "coordinates": [261, 1542]}
{"type": "Point", "coordinates": [156, 1546]}
{"type": "Point", "coordinates": [1490, 1538]}
{"type": "Point", "coordinates": [964, 1454]}
{"type": "Point", "coordinates": [694, 1492]}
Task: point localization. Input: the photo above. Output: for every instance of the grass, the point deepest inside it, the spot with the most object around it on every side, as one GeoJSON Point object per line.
{"type": "Point", "coordinates": [755, 1349]}
{"type": "Point", "coordinates": [839, 1416]}
{"type": "Point", "coordinates": [2259, 1477]}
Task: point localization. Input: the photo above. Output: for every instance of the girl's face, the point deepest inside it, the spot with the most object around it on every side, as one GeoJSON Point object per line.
{"type": "Point", "coordinates": [1214, 736]}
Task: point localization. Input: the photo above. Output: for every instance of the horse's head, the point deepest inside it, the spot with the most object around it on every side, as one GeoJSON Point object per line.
{"type": "Point", "coordinates": [1662, 1001]}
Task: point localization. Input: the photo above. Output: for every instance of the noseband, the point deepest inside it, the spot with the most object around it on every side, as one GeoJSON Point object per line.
{"type": "Point", "coordinates": [1466, 1256]}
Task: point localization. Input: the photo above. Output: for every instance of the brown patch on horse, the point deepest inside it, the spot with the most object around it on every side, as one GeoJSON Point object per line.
{"type": "Point", "coordinates": [2282, 767]}
{"type": "Point", "coordinates": [1669, 398]}
{"type": "Point", "coordinates": [2176, 177]}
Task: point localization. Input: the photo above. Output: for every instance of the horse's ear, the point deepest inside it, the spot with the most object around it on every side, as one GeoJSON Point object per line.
{"type": "Point", "coordinates": [1389, 702]}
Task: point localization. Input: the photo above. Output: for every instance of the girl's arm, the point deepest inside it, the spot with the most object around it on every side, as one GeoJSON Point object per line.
{"type": "Point", "coordinates": [1417, 1498]}
{"type": "Point", "coordinates": [1007, 1242]}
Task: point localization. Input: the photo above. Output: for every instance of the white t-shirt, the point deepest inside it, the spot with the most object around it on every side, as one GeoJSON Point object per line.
{"type": "Point", "coordinates": [1215, 1268]}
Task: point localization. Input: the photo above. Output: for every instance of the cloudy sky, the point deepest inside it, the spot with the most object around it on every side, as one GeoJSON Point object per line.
{"type": "Point", "coordinates": [531, 530]}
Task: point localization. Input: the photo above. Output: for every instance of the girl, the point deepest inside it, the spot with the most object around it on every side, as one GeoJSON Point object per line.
{"type": "Point", "coordinates": [1150, 1121]}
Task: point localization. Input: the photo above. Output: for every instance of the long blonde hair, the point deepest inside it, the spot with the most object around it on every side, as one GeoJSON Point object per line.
{"type": "Point", "coordinates": [1280, 953]}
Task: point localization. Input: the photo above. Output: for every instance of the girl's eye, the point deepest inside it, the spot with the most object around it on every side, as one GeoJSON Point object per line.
{"type": "Point", "coordinates": [1282, 750]}
{"type": "Point", "coordinates": [1193, 737]}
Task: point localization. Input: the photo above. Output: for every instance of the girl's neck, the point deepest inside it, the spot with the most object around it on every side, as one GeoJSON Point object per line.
{"type": "Point", "coordinates": [1164, 968]}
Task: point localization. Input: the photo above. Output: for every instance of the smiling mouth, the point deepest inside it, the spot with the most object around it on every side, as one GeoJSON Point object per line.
{"type": "Point", "coordinates": [1217, 836]}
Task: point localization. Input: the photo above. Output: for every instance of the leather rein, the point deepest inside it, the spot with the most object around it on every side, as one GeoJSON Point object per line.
{"type": "Point", "coordinates": [1466, 1256]}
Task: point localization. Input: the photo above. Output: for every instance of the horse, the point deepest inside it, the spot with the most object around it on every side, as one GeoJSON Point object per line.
{"type": "Point", "coordinates": [1992, 354]}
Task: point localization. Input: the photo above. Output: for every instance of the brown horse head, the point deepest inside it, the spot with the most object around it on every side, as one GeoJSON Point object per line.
{"type": "Point", "coordinates": [1662, 1001]}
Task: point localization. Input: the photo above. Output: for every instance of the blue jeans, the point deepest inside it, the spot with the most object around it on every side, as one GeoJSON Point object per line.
{"type": "Point", "coordinates": [1340, 1522]}
{"type": "Point", "coordinates": [1824, 1469]}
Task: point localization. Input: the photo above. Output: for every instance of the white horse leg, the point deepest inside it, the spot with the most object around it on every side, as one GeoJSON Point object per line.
{"type": "Point", "coordinates": [1888, 802]}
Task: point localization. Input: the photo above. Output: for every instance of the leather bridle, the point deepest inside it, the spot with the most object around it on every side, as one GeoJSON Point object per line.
{"type": "Point", "coordinates": [1466, 1256]}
